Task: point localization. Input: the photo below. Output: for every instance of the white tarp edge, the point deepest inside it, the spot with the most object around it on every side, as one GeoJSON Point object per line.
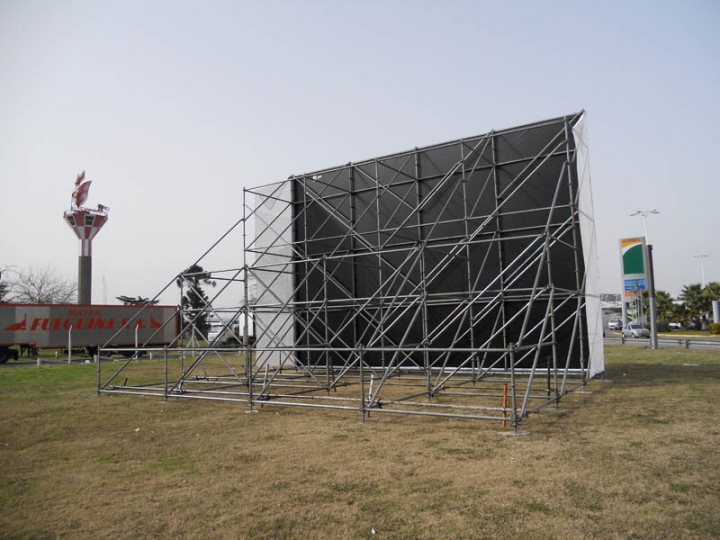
{"type": "Point", "coordinates": [596, 362]}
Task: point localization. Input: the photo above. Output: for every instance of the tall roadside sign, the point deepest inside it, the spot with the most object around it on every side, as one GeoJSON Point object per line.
{"type": "Point", "coordinates": [638, 277]}
{"type": "Point", "coordinates": [634, 275]}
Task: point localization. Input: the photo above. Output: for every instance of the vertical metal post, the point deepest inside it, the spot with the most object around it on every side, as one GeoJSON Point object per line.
{"type": "Point", "coordinates": [504, 405]}
{"type": "Point", "coordinates": [249, 378]}
{"type": "Point", "coordinates": [468, 266]}
{"type": "Point", "coordinates": [307, 269]}
{"type": "Point", "coordinates": [353, 266]}
{"type": "Point", "coordinates": [547, 369]}
{"type": "Point", "coordinates": [165, 373]}
{"type": "Point", "coordinates": [653, 303]}
{"type": "Point", "coordinates": [370, 390]}
{"type": "Point", "coordinates": [423, 275]}
{"type": "Point", "coordinates": [513, 386]}
{"type": "Point", "coordinates": [246, 331]}
{"type": "Point", "coordinates": [70, 344]}
{"type": "Point", "coordinates": [498, 235]}
{"type": "Point", "coordinates": [362, 382]}
{"type": "Point", "coordinates": [99, 383]}
{"type": "Point", "coordinates": [379, 251]}
{"type": "Point", "coordinates": [246, 271]}
{"type": "Point", "coordinates": [326, 322]}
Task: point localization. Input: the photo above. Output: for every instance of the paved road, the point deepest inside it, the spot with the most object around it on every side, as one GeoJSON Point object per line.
{"type": "Point", "coordinates": [683, 341]}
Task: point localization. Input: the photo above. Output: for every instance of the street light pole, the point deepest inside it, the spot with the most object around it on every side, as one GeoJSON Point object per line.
{"type": "Point", "coordinates": [702, 258]}
{"type": "Point", "coordinates": [650, 270]}
{"type": "Point", "coordinates": [645, 214]}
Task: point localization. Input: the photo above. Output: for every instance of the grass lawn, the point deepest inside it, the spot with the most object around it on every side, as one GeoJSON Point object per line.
{"type": "Point", "coordinates": [635, 458]}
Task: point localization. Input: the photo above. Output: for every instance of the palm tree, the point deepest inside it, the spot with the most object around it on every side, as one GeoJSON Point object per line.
{"type": "Point", "coordinates": [681, 314]}
{"type": "Point", "coordinates": [693, 298]}
{"type": "Point", "coordinates": [712, 291]}
{"type": "Point", "coordinates": [664, 305]}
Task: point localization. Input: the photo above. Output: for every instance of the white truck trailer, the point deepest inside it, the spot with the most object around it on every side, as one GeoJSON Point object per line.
{"type": "Point", "coordinates": [59, 326]}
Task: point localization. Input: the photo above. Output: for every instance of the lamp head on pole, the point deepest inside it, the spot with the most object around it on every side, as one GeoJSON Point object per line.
{"type": "Point", "coordinates": [645, 214]}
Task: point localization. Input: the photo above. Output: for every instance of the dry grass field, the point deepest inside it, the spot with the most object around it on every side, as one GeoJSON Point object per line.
{"type": "Point", "coordinates": [636, 458]}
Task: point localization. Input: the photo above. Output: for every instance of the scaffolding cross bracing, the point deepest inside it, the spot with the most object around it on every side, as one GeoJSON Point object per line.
{"type": "Point", "coordinates": [456, 280]}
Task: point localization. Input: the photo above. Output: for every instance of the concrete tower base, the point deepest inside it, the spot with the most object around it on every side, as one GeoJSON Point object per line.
{"type": "Point", "coordinates": [84, 279]}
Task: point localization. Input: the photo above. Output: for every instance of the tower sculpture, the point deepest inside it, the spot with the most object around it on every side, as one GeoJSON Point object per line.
{"type": "Point", "coordinates": [86, 223]}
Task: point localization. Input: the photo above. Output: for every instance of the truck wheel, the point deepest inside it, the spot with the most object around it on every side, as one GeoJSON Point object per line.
{"type": "Point", "coordinates": [5, 354]}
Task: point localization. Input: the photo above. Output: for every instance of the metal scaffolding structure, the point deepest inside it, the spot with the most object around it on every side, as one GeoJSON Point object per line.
{"type": "Point", "coordinates": [455, 280]}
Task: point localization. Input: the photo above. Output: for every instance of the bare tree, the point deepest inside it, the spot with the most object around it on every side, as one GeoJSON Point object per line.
{"type": "Point", "coordinates": [42, 286]}
{"type": "Point", "coordinates": [4, 287]}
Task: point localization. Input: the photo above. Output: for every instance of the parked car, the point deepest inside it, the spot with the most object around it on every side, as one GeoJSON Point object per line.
{"type": "Point", "coordinates": [636, 331]}
{"type": "Point", "coordinates": [675, 326]}
{"type": "Point", "coordinates": [615, 325]}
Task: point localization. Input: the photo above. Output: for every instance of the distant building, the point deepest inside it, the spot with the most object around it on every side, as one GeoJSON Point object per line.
{"type": "Point", "coordinates": [611, 307]}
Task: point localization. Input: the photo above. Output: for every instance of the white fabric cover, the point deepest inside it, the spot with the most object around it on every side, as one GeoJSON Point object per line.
{"type": "Point", "coordinates": [596, 362]}
{"type": "Point", "coordinates": [271, 274]}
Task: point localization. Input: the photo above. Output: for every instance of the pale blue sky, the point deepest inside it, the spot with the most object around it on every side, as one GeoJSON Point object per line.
{"type": "Point", "coordinates": [173, 107]}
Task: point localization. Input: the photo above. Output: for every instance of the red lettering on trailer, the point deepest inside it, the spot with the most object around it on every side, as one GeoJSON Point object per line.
{"type": "Point", "coordinates": [77, 324]}
{"type": "Point", "coordinates": [48, 326]}
{"type": "Point", "coordinates": [22, 325]}
{"type": "Point", "coordinates": [36, 322]}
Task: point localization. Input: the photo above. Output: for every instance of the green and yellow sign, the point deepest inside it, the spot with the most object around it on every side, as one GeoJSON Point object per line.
{"type": "Point", "coordinates": [633, 255]}
{"type": "Point", "coordinates": [632, 251]}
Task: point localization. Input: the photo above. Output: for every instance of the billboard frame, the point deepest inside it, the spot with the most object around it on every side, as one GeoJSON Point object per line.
{"type": "Point", "coordinates": [302, 355]}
